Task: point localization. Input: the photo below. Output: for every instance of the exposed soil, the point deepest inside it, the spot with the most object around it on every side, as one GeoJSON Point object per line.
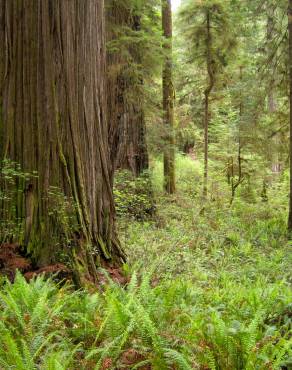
{"type": "Point", "coordinates": [132, 357]}
{"type": "Point", "coordinates": [117, 276]}
{"type": "Point", "coordinates": [58, 269]}
{"type": "Point", "coordinates": [128, 359]}
{"type": "Point", "coordinates": [12, 258]}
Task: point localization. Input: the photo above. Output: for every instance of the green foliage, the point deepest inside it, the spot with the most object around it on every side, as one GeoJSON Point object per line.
{"type": "Point", "coordinates": [62, 212]}
{"type": "Point", "coordinates": [133, 196]}
{"type": "Point", "coordinates": [212, 292]}
{"type": "Point", "coordinates": [249, 109]}
{"type": "Point", "coordinates": [13, 182]}
{"type": "Point", "coordinates": [194, 28]}
{"type": "Point", "coordinates": [134, 38]}
{"type": "Point", "coordinates": [31, 332]}
{"type": "Point", "coordinates": [228, 278]}
{"type": "Point", "coordinates": [188, 175]}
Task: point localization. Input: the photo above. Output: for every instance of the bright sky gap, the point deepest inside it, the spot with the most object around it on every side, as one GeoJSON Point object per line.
{"type": "Point", "coordinates": [175, 4]}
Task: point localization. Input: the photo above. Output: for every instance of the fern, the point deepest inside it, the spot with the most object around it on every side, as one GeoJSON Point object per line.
{"type": "Point", "coordinates": [175, 357]}
{"type": "Point", "coordinates": [29, 315]}
{"type": "Point", "coordinates": [175, 324]}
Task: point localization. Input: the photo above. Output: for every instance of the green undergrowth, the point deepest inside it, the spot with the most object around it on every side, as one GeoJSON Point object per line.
{"type": "Point", "coordinates": [210, 288]}
{"type": "Point", "coordinates": [207, 291]}
{"type": "Point", "coordinates": [171, 325]}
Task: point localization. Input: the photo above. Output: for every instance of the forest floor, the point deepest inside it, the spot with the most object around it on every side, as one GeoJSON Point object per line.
{"type": "Point", "coordinates": [207, 290]}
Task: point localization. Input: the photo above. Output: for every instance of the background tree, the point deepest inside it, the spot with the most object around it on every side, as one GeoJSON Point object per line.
{"type": "Point", "coordinates": [168, 100]}
{"type": "Point", "coordinates": [127, 128]}
{"type": "Point", "coordinates": [53, 122]}
{"type": "Point", "coordinates": [208, 36]}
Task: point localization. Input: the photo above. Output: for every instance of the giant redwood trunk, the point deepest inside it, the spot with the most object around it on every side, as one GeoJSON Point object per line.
{"type": "Point", "coordinates": [52, 79]}
{"type": "Point", "coordinates": [127, 128]}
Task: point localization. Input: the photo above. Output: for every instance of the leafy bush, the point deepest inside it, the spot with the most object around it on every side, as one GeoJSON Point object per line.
{"type": "Point", "coordinates": [133, 196]}
{"type": "Point", "coordinates": [12, 182]}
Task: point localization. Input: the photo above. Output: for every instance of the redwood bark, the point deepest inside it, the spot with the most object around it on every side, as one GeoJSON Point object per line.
{"type": "Point", "coordinates": [127, 127]}
{"type": "Point", "coordinates": [54, 122]}
{"type": "Point", "coordinates": [168, 100]}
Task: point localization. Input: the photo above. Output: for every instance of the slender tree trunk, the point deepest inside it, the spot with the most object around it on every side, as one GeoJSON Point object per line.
{"type": "Point", "coordinates": [206, 144]}
{"type": "Point", "coordinates": [127, 127]}
{"type": "Point", "coordinates": [207, 95]}
{"type": "Point", "coordinates": [53, 122]}
{"type": "Point", "coordinates": [290, 71]}
{"type": "Point", "coordinates": [271, 96]}
{"type": "Point", "coordinates": [235, 184]}
{"type": "Point", "coordinates": [168, 100]}
{"type": "Point", "coordinates": [272, 104]}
